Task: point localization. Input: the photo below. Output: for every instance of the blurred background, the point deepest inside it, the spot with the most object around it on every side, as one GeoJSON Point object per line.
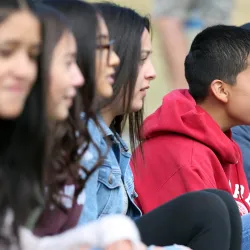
{"type": "Point", "coordinates": [162, 85]}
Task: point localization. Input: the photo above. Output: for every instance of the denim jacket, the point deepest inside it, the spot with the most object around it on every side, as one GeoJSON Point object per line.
{"type": "Point", "coordinates": [104, 193]}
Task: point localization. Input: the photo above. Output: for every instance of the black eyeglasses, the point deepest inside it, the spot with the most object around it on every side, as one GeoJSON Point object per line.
{"type": "Point", "coordinates": [109, 46]}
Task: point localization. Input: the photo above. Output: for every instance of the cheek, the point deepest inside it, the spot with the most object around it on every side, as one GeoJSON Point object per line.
{"type": "Point", "coordinates": [97, 65]}
{"type": "Point", "coordinates": [137, 97]}
{"type": "Point", "coordinates": [34, 71]}
{"type": "Point", "coordinates": [3, 72]}
{"type": "Point", "coordinates": [139, 81]}
{"type": "Point", "coordinates": [77, 78]}
{"type": "Point", "coordinates": [55, 89]}
{"type": "Point", "coordinates": [239, 109]}
{"type": "Point", "coordinates": [100, 66]}
{"type": "Point", "coordinates": [33, 78]}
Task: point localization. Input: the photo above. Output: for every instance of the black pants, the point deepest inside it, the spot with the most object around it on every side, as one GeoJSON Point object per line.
{"type": "Point", "coordinates": [202, 220]}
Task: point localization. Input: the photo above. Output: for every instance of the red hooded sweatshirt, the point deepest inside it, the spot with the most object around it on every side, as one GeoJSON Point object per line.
{"type": "Point", "coordinates": [185, 150]}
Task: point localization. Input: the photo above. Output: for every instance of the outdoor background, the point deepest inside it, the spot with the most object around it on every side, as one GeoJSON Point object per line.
{"type": "Point", "coordinates": [161, 86]}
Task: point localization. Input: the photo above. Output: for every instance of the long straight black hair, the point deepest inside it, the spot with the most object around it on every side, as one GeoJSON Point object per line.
{"type": "Point", "coordinates": [22, 150]}
{"type": "Point", "coordinates": [82, 19]}
{"type": "Point", "coordinates": [126, 27]}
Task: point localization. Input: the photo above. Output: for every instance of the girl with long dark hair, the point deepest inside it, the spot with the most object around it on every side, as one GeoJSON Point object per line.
{"type": "Point", "coordinates": [63, 77]}
{"type": "Point", "coordinates": [63, 175]}
{"type": "Point", "coordinates": [23, 119]}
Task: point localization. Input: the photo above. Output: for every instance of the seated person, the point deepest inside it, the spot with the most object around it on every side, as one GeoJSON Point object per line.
{"type": "Point", "coordinates": [188, 144]}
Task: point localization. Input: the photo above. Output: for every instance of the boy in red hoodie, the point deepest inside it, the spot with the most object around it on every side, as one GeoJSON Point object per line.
{"type": "Point", "coordinates": [188, 144]}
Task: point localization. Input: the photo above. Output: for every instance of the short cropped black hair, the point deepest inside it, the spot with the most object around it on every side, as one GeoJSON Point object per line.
{"type": "Point", "coordinates": [218, 52]}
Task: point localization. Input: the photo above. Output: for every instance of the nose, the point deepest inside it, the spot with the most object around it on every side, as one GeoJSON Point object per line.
{"type": "Point", "coordinates": [77, 77]}
{"type": "Point", "coordinates": [25, 68]}
{"type": "Point", "coordinates": [150, 73]}
{"type": "Point", "coordinates": [114, 59]}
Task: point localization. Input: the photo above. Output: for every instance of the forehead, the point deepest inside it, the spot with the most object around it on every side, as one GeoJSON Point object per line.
{"type": "Point", "coordinates": [103, 29]}
{"type": "Point", "coordinates": [66, 44]}
{"type": "Point", "coordinates": [146, 40]}
{"type": "Point", "coordinates": [20, 25]}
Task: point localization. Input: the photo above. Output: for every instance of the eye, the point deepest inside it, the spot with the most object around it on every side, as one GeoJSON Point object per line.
{"type": "Point", "coordinates": [144, 56]}
{"type": "Point", "coordinates": [5, 52]}
{"type": "Point", "coordinates": [34, 56]}
{"type": "Point", "coordinates": [34, 52]}
{"type": "Point", "coordinates": [69, 63]}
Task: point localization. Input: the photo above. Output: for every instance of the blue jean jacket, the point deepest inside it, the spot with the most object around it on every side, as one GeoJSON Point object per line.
{"type": "Point", "coordinates": [103, 191]}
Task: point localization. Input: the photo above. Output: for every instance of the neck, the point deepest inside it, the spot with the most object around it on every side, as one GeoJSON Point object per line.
{"type": "Point", "coordinates": [108, 115]}
{"type": "Point", "coordinates": [217, 111]}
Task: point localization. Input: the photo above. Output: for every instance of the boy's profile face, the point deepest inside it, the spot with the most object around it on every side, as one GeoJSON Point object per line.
{"type": "Point", "coordinates": [238, 103]}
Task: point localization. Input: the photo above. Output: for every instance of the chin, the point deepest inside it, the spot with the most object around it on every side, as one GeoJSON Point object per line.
{"type": "Point", "coordinates": [11, 114]}
{"type": "Point", "coordinates": [106, 91]}
{"type": "Point", "coordinates": [63, 116]}
{"type": "Point", "coordinates": [60, 116]}
{"type": "Point", "coordinates": [136, 108]}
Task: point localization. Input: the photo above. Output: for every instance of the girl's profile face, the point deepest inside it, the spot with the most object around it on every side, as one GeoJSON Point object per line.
{"type": "Point", "coordinates": [65, 77]}
{"type": "Point", "coordinates": [106, 61]}
{"type": "Point", "coordinates": [146, 73]}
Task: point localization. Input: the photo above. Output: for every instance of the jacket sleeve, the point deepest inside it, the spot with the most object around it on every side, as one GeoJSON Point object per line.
{"type": "Point", "coordinates": [90, 207]}
{"type": "Point", "coordinates": [89, 159]}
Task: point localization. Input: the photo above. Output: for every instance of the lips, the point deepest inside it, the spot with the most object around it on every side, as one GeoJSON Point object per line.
{"type": "Point", "coordinates": [145, 88]}
{"type": "Point", "coordinates": [69, 97]}
{"type": "Point", "coordinates": [16, 88]}
{"type": "Point", "coordinates": [111, 77]}
{"type": "Point", "coordinates": [71, 93]}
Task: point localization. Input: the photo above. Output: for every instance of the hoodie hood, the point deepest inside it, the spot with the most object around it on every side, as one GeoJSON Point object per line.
{"type": "Point", "coordinates": [180, 114]}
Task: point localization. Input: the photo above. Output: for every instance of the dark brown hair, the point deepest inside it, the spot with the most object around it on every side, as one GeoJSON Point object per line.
{"type": "Point", "coordinates": [126, 27]}
{"type": "Point", "coordinates": [22, 152]}
{"type": "Point", "coordinates": [71, 135]}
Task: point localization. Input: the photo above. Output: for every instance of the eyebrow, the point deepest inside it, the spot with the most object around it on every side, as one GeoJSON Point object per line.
{"type": "Point", "coordinates": [10, 42]}
{"type": "Point", "coordinates": [16, 43]}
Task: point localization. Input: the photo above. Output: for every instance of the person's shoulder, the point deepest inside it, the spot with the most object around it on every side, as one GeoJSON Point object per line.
{"type": "Point", "coordinates": [169, 141]}
{"type": "Point", "coordinates": [243, 130]}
